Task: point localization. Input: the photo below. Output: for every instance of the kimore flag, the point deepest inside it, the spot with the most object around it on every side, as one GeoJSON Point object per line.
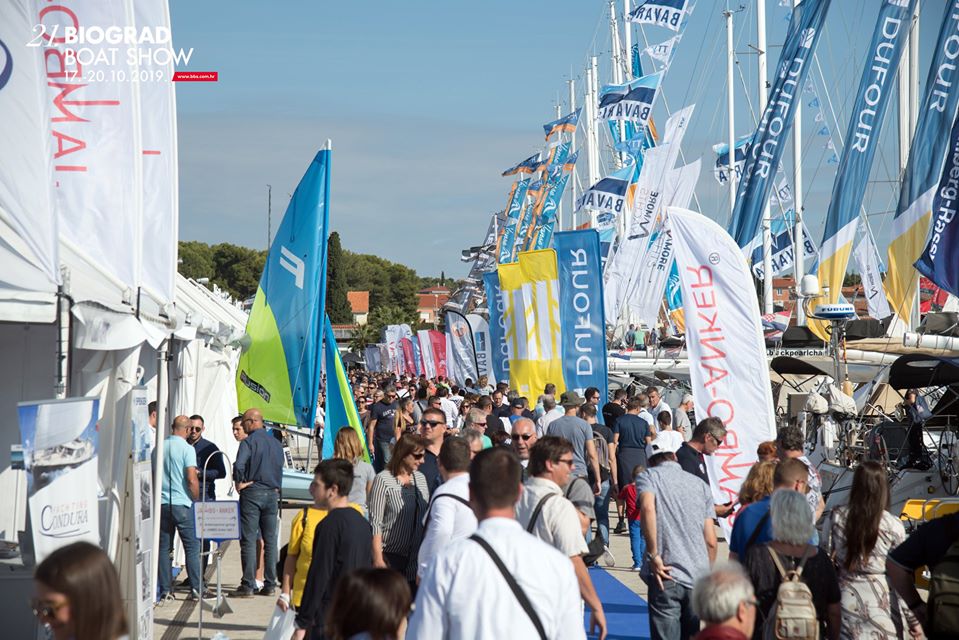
{"type": "Point", "coordinates": [924, 166]}
{"type": "Point", "coordinates": [867, 257]}
{"type": "Point", "coordinates": [531, 288]}
{"type": "Point", "coordinates": [426, 352]}
{"type": "Point", "coordinates": [460, 356]}
{"type": "Point", "coordinates": [278, 371]}
{"type": "Point", "coordinates": [341, 410]}
{"type": "Point", "coordinates": [940, 259]}
{"type": "Point", "coordinates": [728, 371]}
{"type": "Point", "coordinates": [517, 198]}
{"type": "Point", "coordinates": [499, 354]}
{"type": "Point", "coordinates": [769, 141]}
{"type": "Point", "coordinates": [632, 101]}
{"type": "Point", "coordinates": [662, 13]}
{"type": "Point", "coordinates": [581, 311]}
{"type": "Point", "coordinates": [663, 52]}
{"type": "Point", "coordinates": [862, 139]}
{"type": "Point", "coordinates": [565, 124]}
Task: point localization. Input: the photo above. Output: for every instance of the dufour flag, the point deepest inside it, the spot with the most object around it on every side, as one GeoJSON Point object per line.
{"type": "Point", "coordinates": [581, 311]}
{"type": "Point", "coordinates": [867, 257]}
{"type": "Point", "coordinates": [940, 259]}
{"type": "Point", "coordinates": [926, 155]}
{"type": "Point", "coordinates": [279, 371]}
{"type": "Point", "coordinates": [341, 412]}
{"type": "Point", "coordinates": [609, 194]}
{"type": "Point", "coordinates": [728, 370]}
{"type": "Point", "coordinates": [769, 141]}
{"type": "Point", "coordinates": [663, 52]}
{"type": "Point", "coordinates": [862, 140]}
{"type": "Point", "coordinates": [662, 13]}
{"type": "Point", "coordinates": [531, 164]}
{"type": "Point", "coordinates": [632, 101]}
{"type": "Point", "coordinates": [531, 288]}
{"type": "Point", "coordinates": [496, 304]}
{"type": "Point", "coordinates": [565, 124]}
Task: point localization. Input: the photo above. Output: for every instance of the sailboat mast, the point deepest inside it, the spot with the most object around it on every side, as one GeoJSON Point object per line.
{"type": "Point", "coordinates": [627, 41]}
{"type": "Point", "coordinates": [593, 140]}
{"type": "Point", "coordinates": [913, 119]}
{"type": "Point", "coordinates": [731, 107]}
{"type": "Point", "coordinates": [572, 150]}
{"type": "Point", "coordinates": [798, 258]}
{"type": "Point", "coordinates": [763, 99]}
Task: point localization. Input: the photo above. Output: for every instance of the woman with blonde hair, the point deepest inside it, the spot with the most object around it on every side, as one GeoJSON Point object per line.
{"type": "Point", "coordinates": [403, 422]}
{"type": "Point", "coordinates": [758, 483]}
{"type": "Point", "coordinates": [347, 446]}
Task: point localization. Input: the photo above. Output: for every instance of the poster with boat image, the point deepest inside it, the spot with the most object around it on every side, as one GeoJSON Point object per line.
{"type": "Point", "coordinates": [60, 444]}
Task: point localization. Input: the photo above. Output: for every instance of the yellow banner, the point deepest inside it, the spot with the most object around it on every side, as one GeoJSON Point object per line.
{"type": "Point", "coordinates": [531, 289]}
{"type": "Point", "coordinates": [832, 272]}
{"type": "Point", "coordinates": [904, 249]}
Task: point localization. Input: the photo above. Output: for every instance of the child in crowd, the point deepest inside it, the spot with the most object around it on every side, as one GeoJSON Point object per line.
{"type": "Point", "coordinates": [629, 497]}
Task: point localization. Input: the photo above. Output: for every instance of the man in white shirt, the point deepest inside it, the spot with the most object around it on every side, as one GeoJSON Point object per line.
{"type": "Point", "coordinates": [447, 405]}
{"type": "Point", "coordinates": [449, 516]}
{"type": "Point", "coordinates": [558, 522]}
{"type": "Point", "coordinates": [550, 413]}
{"type": "Point", "coordinates": [447, 605]}
{"type": "Point", "coordinates": [656, 403]}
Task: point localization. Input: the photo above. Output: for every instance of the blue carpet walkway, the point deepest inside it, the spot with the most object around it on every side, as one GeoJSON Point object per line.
{"type": "Point", "coordinates": [626, 614]}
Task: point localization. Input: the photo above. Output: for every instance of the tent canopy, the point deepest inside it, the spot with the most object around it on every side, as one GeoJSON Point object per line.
{"type": "Point", "coordinates": [919, 371]}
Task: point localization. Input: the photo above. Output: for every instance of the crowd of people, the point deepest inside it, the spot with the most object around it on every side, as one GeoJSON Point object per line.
{"type": "Point", "coordinates": [479, 513]}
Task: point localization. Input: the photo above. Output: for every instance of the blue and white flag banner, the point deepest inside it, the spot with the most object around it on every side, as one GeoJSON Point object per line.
{"type": "Point", "coordinates": [609, 194]}
{"type": "Point", "coordinates": [721, 170]}
{"type": "Point", "coordinates": [662, 53]}
{"type": "Point", "coordinates": [499, 351]}
{"type": "Point", "coordinates": [482, 346]}
{"type": "Point", "coordinates": [770, 139]}
{"type": "Point", "coordinates": [516, 201]}
{"type": "Point", "coordinates": [783, 254]}
{"type": "Point", "coordinates": [867, 258]}
{"type": "Point", "coordinates": [544, 234]}
{"type": "Point", "coordinates": [632, 101]}
{"type": "Point", "coordinates": [662, 13]}
{"type": "Point", "coordinates": [566, 124]}
{"type": "Point", "coordinates": [581, 310]}
{"type": "Point", "coordinates": [531, 164]}
{"type": "Point", "coordinates": [460, 349]}
{"type": "Point", "coordinates": [940, 259]}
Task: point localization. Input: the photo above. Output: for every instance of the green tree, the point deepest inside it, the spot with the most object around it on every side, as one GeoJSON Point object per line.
{"type": "Point", "coordinates": [237, 269]}
{"type": "Point", "coordinates": [196, 260]}
{"type": "Point", "coordinates": [382, 316]}
{"type": "Point", "coordinates": [363, 335]}
{"type": "Point", "coordinates": [337, 304]}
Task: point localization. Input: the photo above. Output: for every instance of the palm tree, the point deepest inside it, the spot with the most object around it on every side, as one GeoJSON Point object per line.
{"type": "Point", "coordinates": [363, 335]}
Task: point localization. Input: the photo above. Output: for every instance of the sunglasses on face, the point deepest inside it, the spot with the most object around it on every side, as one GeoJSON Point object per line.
{"type": "Point", "coordinates": [196, 429]}
{"type": "Point", "coordinates": [418, 456]}
{"type": "Point", "coordinates": [522, 436]}
{"type": "Point", "coordinates": [46, 609]}
{"type": "Point", "coordinates": [432, 423]}
{"type": "Point", "coordinates": [568, 461]}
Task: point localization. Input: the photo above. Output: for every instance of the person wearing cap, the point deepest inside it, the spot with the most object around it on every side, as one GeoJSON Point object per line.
{"type": "Point", "coordinates": [579, 433]}
{"type": "Point", "coordinates": [517, 407]}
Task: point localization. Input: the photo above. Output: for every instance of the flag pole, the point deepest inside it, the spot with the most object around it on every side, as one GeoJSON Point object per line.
{"type": "Point", "coordinates": [799, 259]}
{"type": "Point", "coordinates": [763, 99]}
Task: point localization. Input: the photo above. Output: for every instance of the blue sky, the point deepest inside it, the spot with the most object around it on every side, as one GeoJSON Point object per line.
{"type": "Point", "coordinates": [427, 102]}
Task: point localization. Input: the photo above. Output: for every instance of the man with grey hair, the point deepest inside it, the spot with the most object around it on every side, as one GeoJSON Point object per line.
{"type": "Point", "coordinates": [550, 413]}
{"type": "Point", "coordinates": [681, 421]}
{"type": "Point", "coordinates": [725, 601]}
{"type": "Point", "coordinates": [707, 438]}
{"type": "Point", "coordinates": [656, 402]}
{"type": "Point", "coordinates": [477, 420]}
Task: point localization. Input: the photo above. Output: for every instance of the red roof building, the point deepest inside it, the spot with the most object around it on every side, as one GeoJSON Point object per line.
{"type": "Point", "coordinates": [360, 305]}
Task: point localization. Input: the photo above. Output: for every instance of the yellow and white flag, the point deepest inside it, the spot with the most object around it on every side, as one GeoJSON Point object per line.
{"type": "Point", "coordinates": [530, 287]}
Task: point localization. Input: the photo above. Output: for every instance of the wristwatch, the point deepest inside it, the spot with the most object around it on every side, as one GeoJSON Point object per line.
{"type": "Point", "coordinates": [652, 556]}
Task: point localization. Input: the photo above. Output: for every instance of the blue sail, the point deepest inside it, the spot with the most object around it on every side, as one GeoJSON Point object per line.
{"type": "Point", "coordinates": [279, 369]}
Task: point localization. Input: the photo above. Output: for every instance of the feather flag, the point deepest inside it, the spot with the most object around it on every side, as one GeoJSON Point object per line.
{"type": "Point", "coordinates": [341, 410]}
{"type": "Point", "coordinates": [531, 164]}
{"type": "Point", "coordinates": [632, 101]}
{"type": "Point", "coordinates": [278, 370]}
{"type": "Point", "coordinates": [662, 13]}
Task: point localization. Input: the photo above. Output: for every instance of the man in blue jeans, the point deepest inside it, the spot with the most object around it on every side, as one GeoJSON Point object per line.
{"type": "Point", "coordinates": [258, 473]}
{"type": "Point", "coordinates": [180, 488]}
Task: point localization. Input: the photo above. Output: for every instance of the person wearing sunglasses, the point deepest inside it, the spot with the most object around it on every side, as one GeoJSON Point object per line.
{"type": "Point", "coordinates": [379, 427]}
{"type": "Point", "coordinates": [398, 502]}
{"type": "Point", "coordinates": [77, 595]}
{"type": "Point", "coordinates": [708, 436]}
{"type": "Point", "coordinates": [209, 464]}
{"type": "Point", "coordinates": [433, 429]}
{"type": "Point", "coordinates": [522, 439]}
